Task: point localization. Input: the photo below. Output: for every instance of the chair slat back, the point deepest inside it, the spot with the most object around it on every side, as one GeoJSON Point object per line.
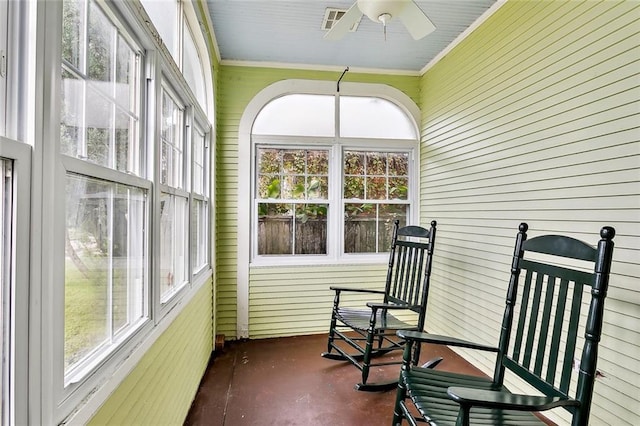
{"type": "Point", "coordinates": [410, 267]}
{"type": "Point", "coordinates": [552, 274]}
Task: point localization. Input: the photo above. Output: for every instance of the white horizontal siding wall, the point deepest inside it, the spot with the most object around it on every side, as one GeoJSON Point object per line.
{"type": "Point", "coordinates": [297, 300]}
{"type": "Point", "coordinates": [536, 117]}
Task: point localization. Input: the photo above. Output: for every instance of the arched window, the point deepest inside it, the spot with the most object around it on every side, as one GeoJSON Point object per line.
{"type": "Point", "coordinates": [331, 175]}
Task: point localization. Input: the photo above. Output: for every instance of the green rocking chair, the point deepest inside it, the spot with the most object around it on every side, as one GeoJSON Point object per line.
{"type": "Point", "coordinates": [538, 341]}
{"type": "Point", "coordinates": [362, 334]}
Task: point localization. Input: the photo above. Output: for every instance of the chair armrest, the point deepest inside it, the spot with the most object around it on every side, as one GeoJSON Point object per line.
{"type": "Point", "coordinates": [443, 340]}
{"type": "Point", "coordinates": [507, 401]}
{"type": "Point", "coordinates": [390, 306]}
{"type": "Point", "coordinates": [356, 290]}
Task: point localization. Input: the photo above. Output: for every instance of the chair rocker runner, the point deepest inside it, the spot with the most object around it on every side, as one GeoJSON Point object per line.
{"type": "Point", "coordinates": [360, 334]}
{"type": "Point", "coordinates": [537, 344]}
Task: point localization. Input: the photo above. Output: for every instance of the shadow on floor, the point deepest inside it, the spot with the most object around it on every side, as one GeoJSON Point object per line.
{"type": "Point", "coordinates": [285, 381]}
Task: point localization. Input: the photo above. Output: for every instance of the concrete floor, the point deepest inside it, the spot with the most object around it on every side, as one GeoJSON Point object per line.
{"type": "Point", "coordinates": [285, 381]}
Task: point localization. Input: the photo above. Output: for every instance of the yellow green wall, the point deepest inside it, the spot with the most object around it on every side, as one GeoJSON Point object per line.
{"type": "Point", "coordinates": [160, 389]}
{"type": "Point", "coordinates": [237, 86]}
{"type": "Point", "coordinates": [534, 118]}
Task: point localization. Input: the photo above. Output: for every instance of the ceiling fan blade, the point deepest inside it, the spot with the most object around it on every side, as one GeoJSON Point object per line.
{"type": "Point", "coordinates": [344, 24]}
{"type": "Point", "coordinates": [417, 23]}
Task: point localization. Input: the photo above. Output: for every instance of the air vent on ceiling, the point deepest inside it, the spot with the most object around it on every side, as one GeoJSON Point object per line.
{"type": "Point", "coordinates": [331, 16]}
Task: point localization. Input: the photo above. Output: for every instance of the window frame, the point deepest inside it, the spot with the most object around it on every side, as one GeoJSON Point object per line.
{"type": "Point", "coordinates": [181, 190]}
{"type": "Point", "coordinates": [288, 142]}
{"type": "Point", "coordinates": [69, 388]}
{"type": "Point", "coordinates": [17, 314]}
{"type": "Point", "coordinates": [78, 401]}
{"type": "Point", "coordinates": [204, 196]}
{"type": "Point", "coordinates": [336, 226]}
{"type": "Point", "coordinates": [245, 182]}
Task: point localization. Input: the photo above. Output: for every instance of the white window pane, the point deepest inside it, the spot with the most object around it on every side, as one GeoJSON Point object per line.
{"type": "Point", "coordinates": [376, 175]}
{"type": "Point", "coordinates": [171, 135]}
{"type": "Point", "coordinates": [73, 42]}
{"type": "Point", "coordinates": [368, 227]}
{"type": "Point", "coordinates": [299, 175]}
{"type": "Point", "coordinates": [72, 121]}
{"type": "Point", "coordinates": [199, 234]}
{"type": "Point", "coordinates": [293, 174]}
{"type": "Point", "coordinates": [164, 15]}
{"type": "Point", "coordinates": [368, 117]}
{"type": "Point", "coordinates": [173, 244]}
{"type": "Point", "coordinates": [105, 264]}
{"type": "Point", "coordinates": [192, 68]}
{"type": "Point", "coordinates": [298, 115]}
{"type": "Point", "coordinates": [101, 40]}
{"type": "Point", "coordinates": [99, 114]}
{"type": "Point", "coordinates": [199, 184]}
{"type": "Point", "coordinates": [381, 180]}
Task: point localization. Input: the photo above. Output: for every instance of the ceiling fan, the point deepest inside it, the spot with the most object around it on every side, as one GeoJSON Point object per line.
{"type": "Point", "coordinates": [383, 11]}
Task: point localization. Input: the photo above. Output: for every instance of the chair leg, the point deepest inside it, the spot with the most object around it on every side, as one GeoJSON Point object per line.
{"type": "Point", "coordinates": [416, 354]}
{"type": "Point", "coordinates": [401, 393]}
{"type": "Point", "coordinates": [332, 326]}
{"type": "Point", "coordinates": [366, 360]}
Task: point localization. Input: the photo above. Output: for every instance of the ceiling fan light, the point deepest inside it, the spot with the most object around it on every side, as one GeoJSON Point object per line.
{"type": "Point", "coordinates": [373, 9]}
{"type": "Point", "coordinates": [384, 18]}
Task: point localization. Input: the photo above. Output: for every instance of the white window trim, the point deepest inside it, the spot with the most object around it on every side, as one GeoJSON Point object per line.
{"type": "Point", "coordinates": [198, 120]}
{"type": "Point", "coordinates": [48, 401]}
{"type": "Point", "coordinates": [245, 180]}
{"type": "Point", "coordinates": [335, 246]}
{"type": "Point", "coordinates": [18, 302]}
{"type": "Point", "coordinates": [165, 303]}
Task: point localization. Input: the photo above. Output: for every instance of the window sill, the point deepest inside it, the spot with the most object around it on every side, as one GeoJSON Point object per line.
{"type": "Point", "coordinates": [309, 261]}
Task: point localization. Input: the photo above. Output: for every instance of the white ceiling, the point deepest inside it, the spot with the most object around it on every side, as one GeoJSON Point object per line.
{"type": "Point", "coordinates": [289, 33]}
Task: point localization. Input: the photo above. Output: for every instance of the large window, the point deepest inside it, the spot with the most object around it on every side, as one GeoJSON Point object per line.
{"type": "Point", "coordinates": [173, 199]}
{"type": "Point", "coordinates": [330, 188]}
{"type": "Point", "coordinates": [200, 199]}
{"type": "Point", "coordinates": [106, 268]}
{"type": "Point", "coordinates": [135, 170]}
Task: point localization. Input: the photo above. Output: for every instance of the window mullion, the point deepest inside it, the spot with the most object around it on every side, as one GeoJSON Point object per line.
{"type": "Point", "coordinates": [110, 262]}
{"type": "Point", "coordinates": [293, 228]}
{"type": "Point", "coordinates": [84, 66]}
{"type": "Point", "coordinates": [113, 160]}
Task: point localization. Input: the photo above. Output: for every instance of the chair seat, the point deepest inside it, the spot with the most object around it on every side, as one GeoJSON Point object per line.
{"type": "Point", "coordinates": [429, 395]}
{"type": "Point", "coordinates": [359, 319]}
